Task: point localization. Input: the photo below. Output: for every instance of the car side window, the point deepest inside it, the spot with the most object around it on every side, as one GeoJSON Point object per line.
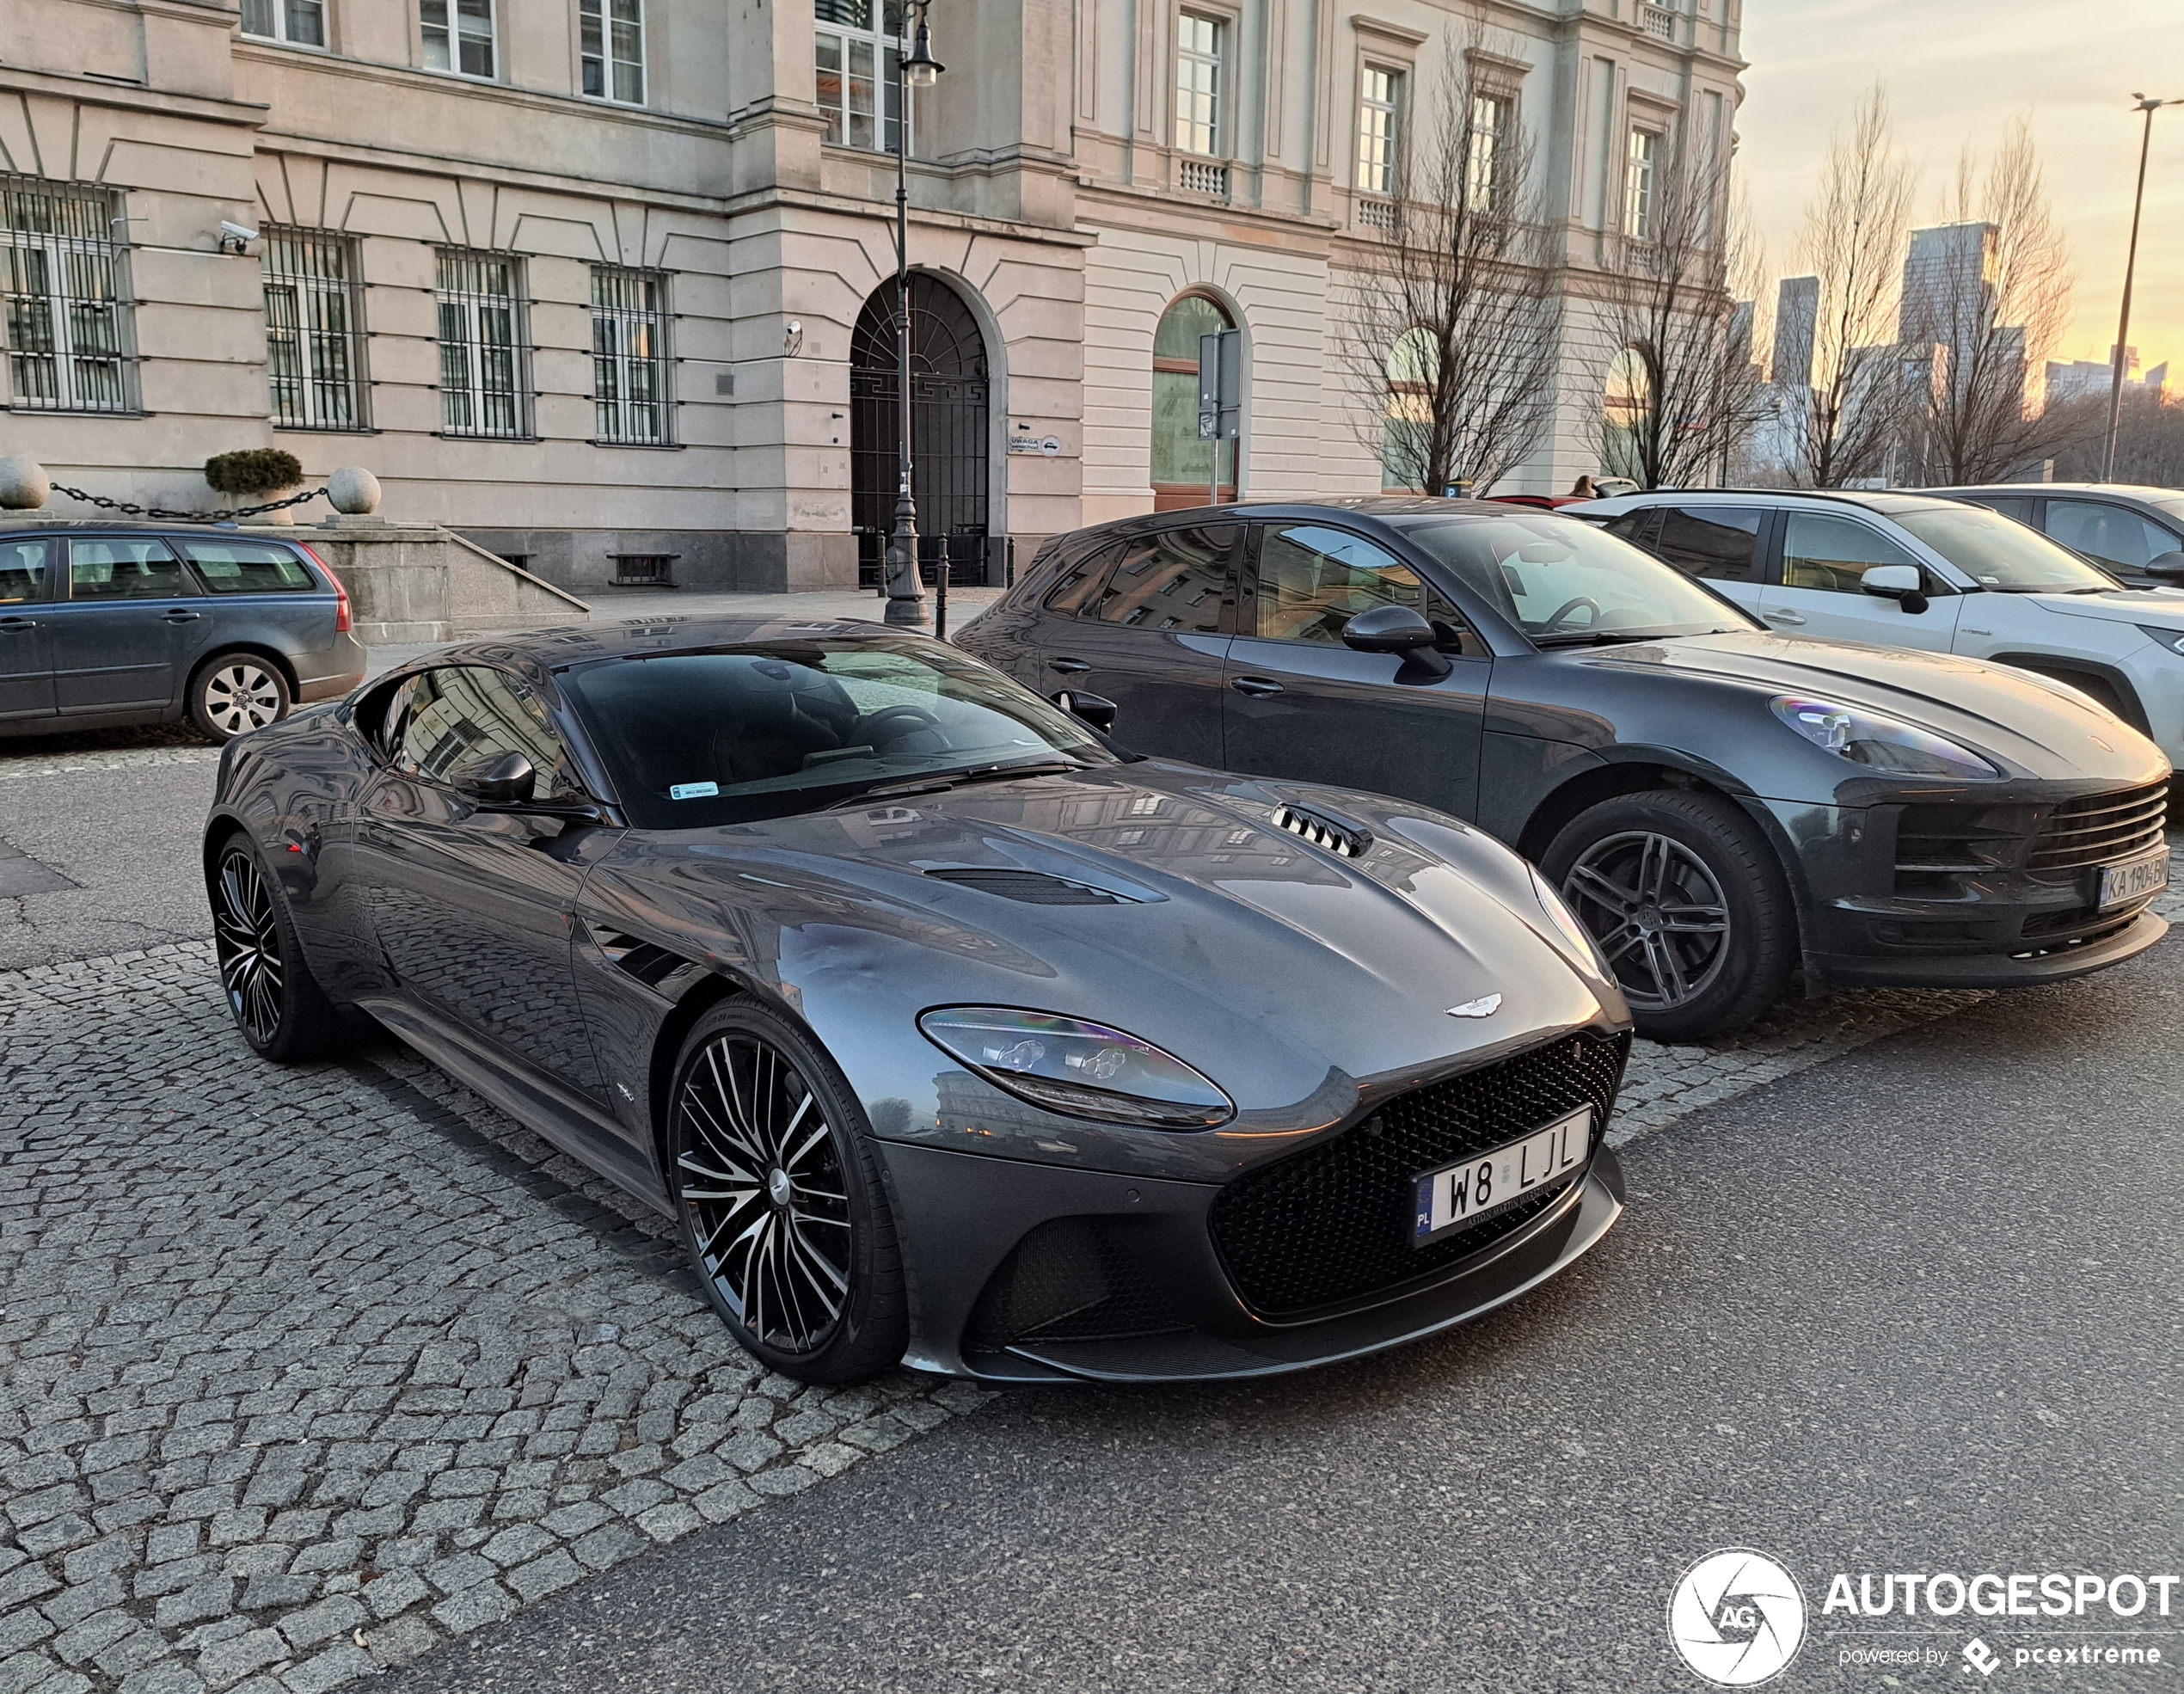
{"type": "Point", "coordinates": [2108, 534]}
{"type": "Point", "coordinates": [1720, 542]}
{"type": "Point", "coordinates": [1823, 551]}
{"type": "Point", "coordinates": [441, 720]}
{"type": "Point", "coordinates": [22, 572]}
{"type": "Point", "coordinates": [1174, 579]}
{"type": "Point", "coordinates": [247, 568]}
{"type": "Point", "coordinates": [1077, 589]}
{"type": "Point", "coordinates": [1313, 580]}
{"type": "Point", "coordinates": [124, 568]}
{"type": "Point", "coordinates": [1634, 527]}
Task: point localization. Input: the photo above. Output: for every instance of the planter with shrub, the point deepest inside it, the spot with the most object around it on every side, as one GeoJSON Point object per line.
{"type": "Point", "coordinates": [254, 475]}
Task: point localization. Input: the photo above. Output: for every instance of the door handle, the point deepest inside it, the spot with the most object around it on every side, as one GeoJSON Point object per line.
{"type": "Point", "coordinates": [1783, 617]}
{"type": "Point", "coordinates": [178, 616]}
{"type": "Point", "coordinates": [1257, 687]}
{"type": "Point", "coordinates": [18, 625]}
{"type": "Point", "coordinates": [1068, 668]}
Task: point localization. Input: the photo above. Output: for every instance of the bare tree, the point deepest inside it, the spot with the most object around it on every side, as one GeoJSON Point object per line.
{"type": "Point", "coordinates": [1849, 422]}
{"type": "Point", "coordinates": [1452, 344]}
{"type": "Point", "coordinates": [1994, 291]}
{"type": "Point", "coordinates": [1684, 392]}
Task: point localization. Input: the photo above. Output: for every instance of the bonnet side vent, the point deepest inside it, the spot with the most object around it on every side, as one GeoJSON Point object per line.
{"type": "Point", "coordinates": [1033, 887]}
{"type": "Point", "coordinates": [1324, 829]}
{"type": "Point", "coordinates": [650, 965]}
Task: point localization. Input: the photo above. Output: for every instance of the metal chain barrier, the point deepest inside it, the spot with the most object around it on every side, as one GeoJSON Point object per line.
{"type": "Point", "coordinates": [128, 509]}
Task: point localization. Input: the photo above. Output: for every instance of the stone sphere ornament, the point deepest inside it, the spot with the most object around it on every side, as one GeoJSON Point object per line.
{"type": "Point", "coordinates": [353, 491]}
{"type": "Point", "coordinates": [24, 486]}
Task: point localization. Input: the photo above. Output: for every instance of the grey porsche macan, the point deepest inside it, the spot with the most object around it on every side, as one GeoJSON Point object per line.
{"type": "Point", "coordinates": [951, 1033]}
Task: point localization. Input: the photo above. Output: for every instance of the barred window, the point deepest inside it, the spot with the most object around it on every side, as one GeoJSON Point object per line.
{"type": "Point", "coordinates": [301, 23]}
{"type": "Point", "coordinates": [613, 43]}
{"type": "Point", "coordinates": [857, 46]}
{"type": "Point", "coordinates": [484, 374]}
{"type": "Point", "coordinates": [1379, 116]}
{"type": "Point", "coordinates": [64, 281]}
{"type": "Point", "coordinates": [629, 355]}
{"type": "Point", "coordinates": [459, 36]}
{"type": "Point", "coordinates": [314, 330]}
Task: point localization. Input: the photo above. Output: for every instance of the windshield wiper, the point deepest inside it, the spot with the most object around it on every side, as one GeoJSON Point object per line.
{"type": "Point", "coordinates": [1610, 637]}
{"type": "Point", "coordinates": [938, 781]}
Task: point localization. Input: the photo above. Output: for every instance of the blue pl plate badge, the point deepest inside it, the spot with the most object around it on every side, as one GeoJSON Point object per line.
{"type": "Point", "coordinates": [693, 790]}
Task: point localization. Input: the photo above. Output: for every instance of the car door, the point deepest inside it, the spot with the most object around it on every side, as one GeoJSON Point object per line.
{"type": "Point", "coordinates": [474, 909]}
{"type": "Point", "coordinates": [26, 668]}
{"type": "Point", "coordinates": [130, 615]}
{"type": "Point", "coordinates": [1719, 545]}
{"type": "Point", "coordinates": [2114, 537]}
{"type": "Point", "coordinates": [1300, 703]}
{"type": "Point", "coordinates": [1148, 629]}
{"type": "Point", "coordinates": [1824, 556]}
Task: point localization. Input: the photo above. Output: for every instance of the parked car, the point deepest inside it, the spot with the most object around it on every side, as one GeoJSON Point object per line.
{"type": "Point", "coordinates": [948, 1033]}
{"type": "Point", "coordinates": [1719, 804]}
{"type": "Point", "coordinates": [2135, 534]}
{"type": "Point", "coordinates": [104, 625]}
{"type": "Point", "coordinates": [1917, 570]}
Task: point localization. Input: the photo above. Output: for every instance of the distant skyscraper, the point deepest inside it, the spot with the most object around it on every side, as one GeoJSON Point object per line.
{"type": "Point", "coordinates": [1797, 309]}
{"type": "Point", "coordinates": [1948, 287]}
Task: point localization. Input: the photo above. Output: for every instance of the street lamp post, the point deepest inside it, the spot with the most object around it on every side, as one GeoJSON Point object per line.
{"type": "Point", "coordinates": [2129, 264]}
{"type": "Point", "coordinates": [905, 594]}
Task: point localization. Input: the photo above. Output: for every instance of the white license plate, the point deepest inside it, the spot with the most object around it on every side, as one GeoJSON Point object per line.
{"type": "Point", "coordinates": [2134, 879]}
{"type": "Point", "coordinates": [1457, 1196]}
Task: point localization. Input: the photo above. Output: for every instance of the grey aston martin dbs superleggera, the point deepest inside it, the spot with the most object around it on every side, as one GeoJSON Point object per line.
{"type": "Point", "coordinates": [951, 1033]}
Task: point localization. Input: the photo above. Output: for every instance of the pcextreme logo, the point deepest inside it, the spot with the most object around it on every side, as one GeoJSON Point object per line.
{"type": "Point", "coordinates": [1737, 1616]}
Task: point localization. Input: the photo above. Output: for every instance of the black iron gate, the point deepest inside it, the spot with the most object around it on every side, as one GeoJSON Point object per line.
{"type": "Point", "coordinates": [948, 432]}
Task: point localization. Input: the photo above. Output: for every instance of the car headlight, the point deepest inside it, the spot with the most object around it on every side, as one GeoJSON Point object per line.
{"type": "Point", "coordinates": [1565, 921]}
{"type": "Point", "coordinates": [1877, 741]}
{"type": "Point", "coordinates": [1083, 1070]}
{"type": "Point", "coordinates": [2171, 639]}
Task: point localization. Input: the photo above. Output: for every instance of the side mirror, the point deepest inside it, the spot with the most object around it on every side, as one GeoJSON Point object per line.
{"type": "Point", "coordinates": [1899, 583]}
{"type": "Point", "coordinates": [1399, 629]}
{"type": "Point", "coordinates": [505, 779]}
{"type": "Point", "coordinates": [2169, 566]}
{"type": "Point", "coordinates": [1096, 710]}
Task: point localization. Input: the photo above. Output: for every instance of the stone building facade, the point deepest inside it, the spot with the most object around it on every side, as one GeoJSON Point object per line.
{"type": "Point", "coordinates": [602, 283]}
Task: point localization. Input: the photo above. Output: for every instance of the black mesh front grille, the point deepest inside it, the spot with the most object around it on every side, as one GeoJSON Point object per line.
{"type": "Point", "coordinates": [1332, 1225]}
{"type": "Point", "coordinates": [2101, 829]}
{"type": "Point", "coordinates": [1071, 1278]}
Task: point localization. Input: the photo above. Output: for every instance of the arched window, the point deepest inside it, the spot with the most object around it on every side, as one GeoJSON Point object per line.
{"type": "Point", "coordinates": [1183, 464]}
{"type": "Point", "coordinates": [1627, 416]}
{"type": "Point", "coordinates": [1407, 443]}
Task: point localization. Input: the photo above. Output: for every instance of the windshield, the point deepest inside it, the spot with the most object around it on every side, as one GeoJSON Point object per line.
{"type": "Point", "coordinates": [1559, 580]}
{"type": "Point", "coordinates": [734, 734]}
{"type": "Point", "coordinates": [1998, 552]}
{"type": "Point", "coordinates": [2172, 504]}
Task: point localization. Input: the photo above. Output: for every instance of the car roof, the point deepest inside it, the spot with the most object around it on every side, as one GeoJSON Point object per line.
{"type": "Point", "coordinates": [541, 650]}
{"type": "Point", "coordinates": [19, 529]}
{"type": "Point", "coordinates": [1872, 499]}
{"type": "Point", "coordinates": [2113, 490]}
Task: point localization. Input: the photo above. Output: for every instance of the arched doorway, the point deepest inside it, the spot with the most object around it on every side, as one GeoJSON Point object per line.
{"type": "Point", "coordinates": [948, 425]}
{"type": "Point", "coordinates": [1183, 462]}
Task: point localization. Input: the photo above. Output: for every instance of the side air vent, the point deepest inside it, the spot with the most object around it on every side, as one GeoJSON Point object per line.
{"type": "Point", "coordinates": [650, 965]}
{"type": "Point", "coordinates": [1033, 887]}
{"type": "Point", "coordinates": [1323, 830]}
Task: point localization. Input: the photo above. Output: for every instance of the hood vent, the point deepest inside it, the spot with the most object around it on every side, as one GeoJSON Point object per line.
{"type": "Point", "coordinates": [1323, 829]}
{"type": "Point", "coordinates": [1033, 887]}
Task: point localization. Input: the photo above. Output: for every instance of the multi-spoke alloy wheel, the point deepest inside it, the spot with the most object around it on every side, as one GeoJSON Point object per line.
{"type": "Point", "coordinates": [1657, 914]}
{"type": "Point", "coordinates": [238, 692]}
{"type": "Point", "coordinates": [246, 937]}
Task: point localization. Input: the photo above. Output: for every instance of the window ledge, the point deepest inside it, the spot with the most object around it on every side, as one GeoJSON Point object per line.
{"type": "Point", "coordinates": [74, 412]}
{"type": "Point", "coordinates": [640, 446]}
{"type": "Point", "coordinates": [329, 429]}
{"type": "Point", "coordinates": [461, 435]}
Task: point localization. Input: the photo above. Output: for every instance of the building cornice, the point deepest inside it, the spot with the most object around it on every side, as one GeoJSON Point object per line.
{"type": "Point", "coordinates": [132, 96]}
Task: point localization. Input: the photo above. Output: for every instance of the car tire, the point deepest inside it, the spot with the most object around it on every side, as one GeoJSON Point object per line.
{"type": "Point", "coordinates": [1687, 903]}
{"type": "Point", "coordinates": [276, 1001]}
{"type": "Point", "coordinates": [234, 693]}
{"type": "Point", "coordinates": [788, 1225]}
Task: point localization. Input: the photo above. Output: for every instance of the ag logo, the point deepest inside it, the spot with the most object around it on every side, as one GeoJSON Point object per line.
{"type": "Point", "coordinates": [1737, 1617]}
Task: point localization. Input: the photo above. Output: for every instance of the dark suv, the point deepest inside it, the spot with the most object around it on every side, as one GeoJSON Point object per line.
{"type": "Point", "coordinates": [102, 624]}
{"type": "Point", "coordinates": [2133, 533]}
{"type": "Point", "coordinates": [1718, 805]}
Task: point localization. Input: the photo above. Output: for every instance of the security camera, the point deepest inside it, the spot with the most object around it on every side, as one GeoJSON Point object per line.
{"type": "Point", "coordinates": [234, 238]}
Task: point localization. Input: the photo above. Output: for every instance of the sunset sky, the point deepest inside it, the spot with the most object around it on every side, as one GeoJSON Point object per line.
{"type": "Point", "coordinates": [1959, 70]}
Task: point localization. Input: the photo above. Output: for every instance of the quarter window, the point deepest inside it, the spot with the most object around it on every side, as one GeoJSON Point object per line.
{"type": "Point", "coordinates": [1721, 541]}
{"type": "Point", "coordinates": [1198, 43]}
{"type": "Point", "coordinates": [137, 569]}
{"type": "Point", "coordinates": [612, 48]}
{"type": "Point", "coordinates": [459, 36]}
{"type": "Point", "coordinates": [629, 355]}
{"type": "Point", "coordinates": [1638, 185]}
{"type": "Point", "coordinates": [63, 277]}
{"type": "Point", "coordinates": [442, 719]}
{"type": "Point", "coordinates": [314, 333]}
{"type": "Point", "coordinates": [301, 23]}
{"type": "Point", "coordinates": [483, 386]}
{"type": "Point", "coordinates": [1820, 551]}
{"type": "Point", "coordinates": [856, 46]}
{"type": "Point", "coordinates": [2108, 535]}
{"type": "Point", "coordinates": [1380, 98]}
{"type": "Point", "coordinates": [1077, 589]}
{"type": "Point", "coordinates": [1314, 580]}
{"type": "Point", "coordinates": [1174, 581]}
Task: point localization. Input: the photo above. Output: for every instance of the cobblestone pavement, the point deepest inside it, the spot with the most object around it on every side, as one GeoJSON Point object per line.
{"type": "Point", "coordinates": [303, 1370]}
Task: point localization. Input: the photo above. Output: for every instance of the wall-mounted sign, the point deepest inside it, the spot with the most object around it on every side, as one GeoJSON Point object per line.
{"type": "Point", "coordinates": [1047, 446]}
